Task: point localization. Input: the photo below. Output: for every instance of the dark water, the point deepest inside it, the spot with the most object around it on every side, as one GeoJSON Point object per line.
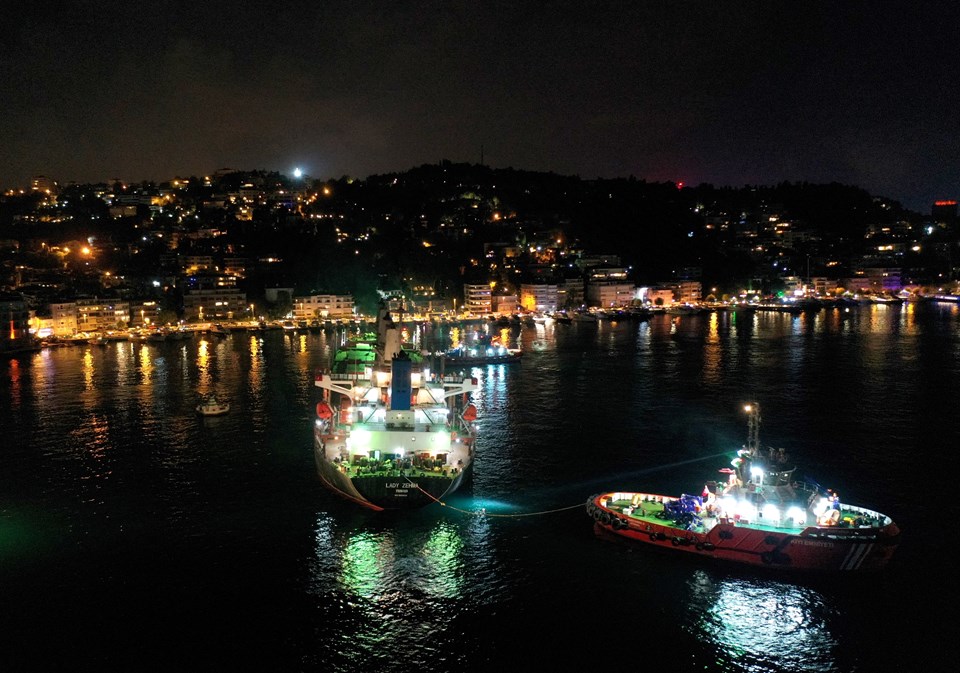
{"type": "Point", "coordinates": [135, 536]}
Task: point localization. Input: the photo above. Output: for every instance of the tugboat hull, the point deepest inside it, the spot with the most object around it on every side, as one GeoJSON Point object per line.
{"type": "Point", "coordinates": [814, 548]}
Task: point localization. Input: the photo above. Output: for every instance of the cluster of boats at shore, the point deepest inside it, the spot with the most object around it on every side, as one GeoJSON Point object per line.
{"type": "Point", "coordinates": [794, 305]}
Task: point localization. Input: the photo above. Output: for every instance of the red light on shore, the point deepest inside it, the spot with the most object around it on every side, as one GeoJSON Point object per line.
{"type": "Point", "coordinates": [680, 185]}
{"type": "Point", "coordinates": [950, 202]}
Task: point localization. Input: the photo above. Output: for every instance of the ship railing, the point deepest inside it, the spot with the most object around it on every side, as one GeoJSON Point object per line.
{"type": "Point", "coordinates": [340, 376]}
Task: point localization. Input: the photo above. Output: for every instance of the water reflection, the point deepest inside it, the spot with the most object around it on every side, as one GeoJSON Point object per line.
{"type": "Point", "coordinates": [762, 625]}
{"type": "Point", "coordinates": [399, 586]}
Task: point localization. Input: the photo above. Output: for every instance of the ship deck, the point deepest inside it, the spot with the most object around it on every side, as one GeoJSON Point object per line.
{"type": "Point", "coordinates": [648, 511]}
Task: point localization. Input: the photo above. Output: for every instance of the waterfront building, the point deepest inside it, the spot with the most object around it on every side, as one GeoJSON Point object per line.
{"type": "Point", "coordinates": [477, 298]}
{"type": "Point", "coordinates": [608, 287]}
{"type": "Point", "coordinates": [659, 295]}
{"type": "Point", "coordinates": [63, 319]}
{"type": "Point", "coordinates": [312, 307]}
{"type": "Point", "coordinates": [87, 314]}
{"type": "Point", "coordinates": [876, 279]}
{"type": "Point", "coordinates": [539, 297]}
{"type": "Point", "coordinates": [214, 304]}
{"type": "Point", "coordinates": [682, 291]}
{"type": "Point", "coordinates": [570, 292]}
{"type": "Point", "coordinates": [95, 314]}
{"type": "Point", "coordinates": [504, 304]}
{"type": "Point", "coordinates": [15, 334]}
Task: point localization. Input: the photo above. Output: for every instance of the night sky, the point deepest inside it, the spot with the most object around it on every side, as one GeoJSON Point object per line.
{"type": "Point", "coordinates": [729, 93]}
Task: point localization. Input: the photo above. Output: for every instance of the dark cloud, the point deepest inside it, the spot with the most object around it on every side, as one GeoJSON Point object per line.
{"type": "Point", "coordinates": [730, 93]}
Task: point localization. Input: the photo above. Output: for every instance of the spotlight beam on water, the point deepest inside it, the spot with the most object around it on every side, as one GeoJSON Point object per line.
{"type": "Point", "coordinates": [620, 481]}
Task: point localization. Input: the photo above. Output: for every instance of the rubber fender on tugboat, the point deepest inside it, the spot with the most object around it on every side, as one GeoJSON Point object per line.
{"type": "Point", "coordinates": [766, 557]}
{"type": "Point", "coordinates": [596, 514]}
{"type": "Point", "coordinates": [605, 518]}
{"type": "Point", "coordinates": [781, 558]}
{"type": "Point", "coordinates": [709, 546]}
{"type": "Point", "coordinates": [699, 546]}
{"type": "Point", "coordinates": [770, 540]}
{"type": "Point", "coordinates": [675, 541]}
{"type": "Point", "coordinates": [653, 537]}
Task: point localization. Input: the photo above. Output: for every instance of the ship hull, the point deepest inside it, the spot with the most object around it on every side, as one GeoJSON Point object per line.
{"type": "Point", "coordinates": [815, 548]}
{"type": "Point", "coordinates": [415, 489]}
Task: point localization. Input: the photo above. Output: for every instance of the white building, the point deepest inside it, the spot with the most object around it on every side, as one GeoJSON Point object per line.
{"type": "Point", "coordinates": [215, 304]}
{"type": "Point", "coordinates": [609, 287]}
{"type": "Point", "coordinates": [477, 299]}
{"type": "Point", "coordinates": [539, 297]}
{"type": "Point", "coordinates": [322, 307]}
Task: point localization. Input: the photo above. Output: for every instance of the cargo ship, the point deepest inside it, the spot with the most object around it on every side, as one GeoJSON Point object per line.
{"type": "Point", "coordinates": [390, 433]}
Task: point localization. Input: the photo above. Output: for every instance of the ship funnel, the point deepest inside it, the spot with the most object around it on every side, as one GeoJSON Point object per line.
{"type": "Point", "coordinates": [401, 387]}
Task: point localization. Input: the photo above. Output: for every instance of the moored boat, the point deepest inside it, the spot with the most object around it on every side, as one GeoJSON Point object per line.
{"type": "Point", "coordinates": [762, 514]}
{"type": "Point", "coordinates": [211, 405]}
{"type": "Point", "coordinates": [485, 351]}
{"type": "Point", "coordinates": [389, 432]}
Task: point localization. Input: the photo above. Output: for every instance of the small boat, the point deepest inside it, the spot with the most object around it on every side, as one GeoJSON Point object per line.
{"type": "Point", "coordinates": [389, 433]}
{"type": "Point", "coordinates": [760, 515]}
{"type": "Point", "coordinates": [211, 405]}
{"type": "Point", "coordinates": [484, 352]}
{"type": "Point", "coordinates": [682, 309]}
{"type": "Point", "coordinates": [218, 330]}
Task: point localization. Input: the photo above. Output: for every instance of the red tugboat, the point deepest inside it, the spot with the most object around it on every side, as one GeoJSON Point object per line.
{"type": "Point", "coordinates": [758, 515]}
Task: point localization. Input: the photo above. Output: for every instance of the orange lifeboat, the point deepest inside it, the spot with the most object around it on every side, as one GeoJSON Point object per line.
{"type": "Point", "coordinates": [470, 413]}
{"type": "Point", "coordinates": [324, 412]}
